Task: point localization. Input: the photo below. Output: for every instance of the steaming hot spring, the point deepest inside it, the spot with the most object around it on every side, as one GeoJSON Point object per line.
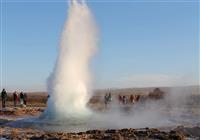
{"type": "Point", "coordinates": [70, 89]}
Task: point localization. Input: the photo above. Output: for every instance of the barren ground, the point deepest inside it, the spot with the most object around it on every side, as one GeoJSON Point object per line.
{"type": "Point", "coordinates": [37, 104]}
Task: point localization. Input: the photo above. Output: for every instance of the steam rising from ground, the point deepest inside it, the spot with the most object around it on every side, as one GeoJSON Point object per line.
{"type": "Point", "coordinates": [70, 82]}
{"type": "Point", "coordinates": [70, 87]}
{"type": "Point", "coordinates": [180, 106]}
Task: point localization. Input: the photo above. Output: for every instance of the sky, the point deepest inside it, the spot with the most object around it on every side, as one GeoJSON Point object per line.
{"type": "Point", "coordinates": [141, 43]}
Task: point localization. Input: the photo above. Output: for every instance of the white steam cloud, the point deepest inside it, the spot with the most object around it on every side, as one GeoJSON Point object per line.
{"type": "Point", "coordinates": [70, 88]}
{"type": "Point", "coordinates": [69, 85]}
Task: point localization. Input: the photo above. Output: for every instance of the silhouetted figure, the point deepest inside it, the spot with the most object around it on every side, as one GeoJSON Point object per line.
{"type": "Point", "coordinates": [109, 97]}
{"type": "Point", "coordinates": [137, 98]}
{"type": "Point", "coordinates": [15, 98]}
{"type": "Point", "coordinates": [106, 100]}
{"type": "Point", "coordinates": [124, 100]}
{"type": "Point", "coordinates": [21, 98]}
{"type": "Point", "coordinates": [3, 98]}
{"type": "Point", "coordinates": [48, 96]}
{"type": "Point", "coordinates": [120, 99]}
{"type": "Point", "coordinates": [132, 99]}
{"type": "Point", "coordinates": [25, 99]}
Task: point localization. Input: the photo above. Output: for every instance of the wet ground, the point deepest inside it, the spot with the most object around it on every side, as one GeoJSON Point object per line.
{"type": "Point", "coordinates": [14, 124]}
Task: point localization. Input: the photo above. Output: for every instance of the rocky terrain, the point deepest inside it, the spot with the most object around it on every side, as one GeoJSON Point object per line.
{"type": "Point", "coordinates": [12, 114]}
{"type": "Point", "coordinates": [17, 111]}
{"type": "Point", "coordinates": [37, 104]}
{"type": "Point", "coordinates": [179, 133]}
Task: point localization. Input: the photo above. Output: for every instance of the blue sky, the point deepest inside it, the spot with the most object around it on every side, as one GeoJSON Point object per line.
{"type": "Point", "coordinates": [141, 43]}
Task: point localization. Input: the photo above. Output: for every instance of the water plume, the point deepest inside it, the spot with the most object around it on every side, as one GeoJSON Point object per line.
{"type": "Point", "coordinates": [69, 86]}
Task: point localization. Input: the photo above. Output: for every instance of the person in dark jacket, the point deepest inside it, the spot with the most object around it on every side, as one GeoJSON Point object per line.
{"type": "Point", "coordinates": [3, 98]}
{"type": "Point", "coordinates": [124, 100]}
{"type": "Point", "coordinates": [106, 100]}
{"type": "Point", "coordinates": [21, 97]}
{"type": "Point", "coordinates": [15, 98]}
{"type": "Point", "coordinates": [132, 99]}
{"type": "Point", "coordinates": [109, 97]}
{"type": "Point", "coordinates": [25, 99]}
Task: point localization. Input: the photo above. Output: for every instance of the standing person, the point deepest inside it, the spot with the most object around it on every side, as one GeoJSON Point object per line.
{"type": "Point", "coordinates": [124, 100]}
{"type": "Point", "coordinates": [132, 99]}
{"type": "Point", "coordinates": [137, 98]}
{"type": "Point", "coordinates": [109, 97]}
{"type": "Point", "coordinates": [120, 99]}
{"type": "Point", "coordinates": [48, 96]}
{"type": "Point", "coordinates": [21, 98]}
{"type": "Point", "coordinates": [25, 99]}
{"type": "Point", "coordinates": [106, 100]}
{"type": "Point", "coordinates": [3, 98]}
{"type": "Point", "coordinates": [15, 98]}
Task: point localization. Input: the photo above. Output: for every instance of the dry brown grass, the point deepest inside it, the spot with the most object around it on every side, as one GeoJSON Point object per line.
{"type": "Point", "coordinates": [34, 99]}
{"type": "Point", "coordinates": [14, 133]}
{"type": "Point", "coordinates": [39, 99]}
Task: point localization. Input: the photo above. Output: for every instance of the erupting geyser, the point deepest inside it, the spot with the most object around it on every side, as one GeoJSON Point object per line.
{"type": "Point", "coordinates": [69, 86]}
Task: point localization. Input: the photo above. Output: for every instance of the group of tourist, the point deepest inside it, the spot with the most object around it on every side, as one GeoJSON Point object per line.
{"type": "Point", "coordinates": [128, 99]}
{"type": "Point", "coordinates": [122, 99]}
{"type": "Point", "coordinates": [20, 98]}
